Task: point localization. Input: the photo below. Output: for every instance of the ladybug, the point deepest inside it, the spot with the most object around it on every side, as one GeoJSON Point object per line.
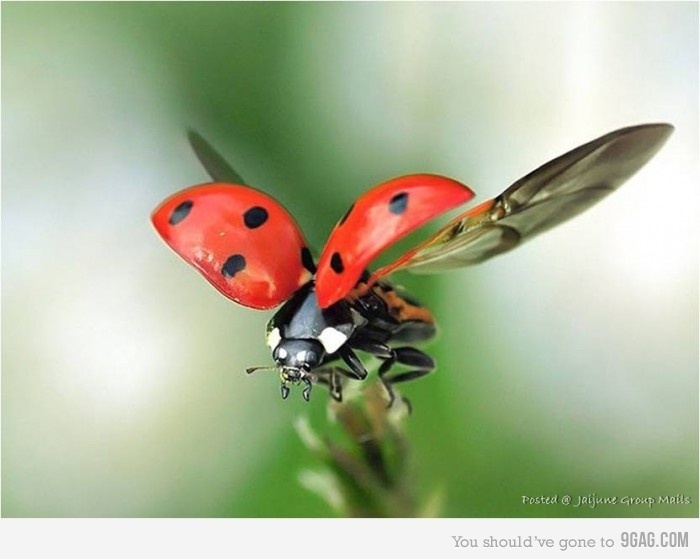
{"type": "Point", "coordinates": [250, 248]}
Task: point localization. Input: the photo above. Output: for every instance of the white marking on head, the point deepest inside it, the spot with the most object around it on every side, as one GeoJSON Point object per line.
{"type": "Point", "coordinates": [301, 356]}
{"type": "Point", "coordinates": [282, 353]}
{"type": "Point", "coordinates": [331, 339]}
{"type": "Point", "coordinates": [273, 338]}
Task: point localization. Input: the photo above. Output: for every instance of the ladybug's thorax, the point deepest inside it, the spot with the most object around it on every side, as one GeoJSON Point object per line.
{"type": "Point", "coordinates": [301, 335]}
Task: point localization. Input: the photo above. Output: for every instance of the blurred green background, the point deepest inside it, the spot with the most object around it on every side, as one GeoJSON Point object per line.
{"type": "Point", "coordinates": [568, 366]}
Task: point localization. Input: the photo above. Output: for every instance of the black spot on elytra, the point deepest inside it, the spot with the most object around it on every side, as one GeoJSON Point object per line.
{"type": "Point", "coordinates": [347, 214]}
{"type": "Point", "coordinates": [307, 260]}
{"type": "Point", "coordinates": [233, 265]}
{"type": "Point", "coordinates": [337, 263]}
{"type": "Point", "coordinates": [255, 217]}
{"type": "Point", "coordinates": [399, 203]}
{"type": "Point", "coordinates": [180, 212]}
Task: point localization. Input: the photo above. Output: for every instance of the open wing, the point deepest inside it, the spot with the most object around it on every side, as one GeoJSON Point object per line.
{"type": "Point", "coordinates": [548, 196]}
{"type": "Point", "coordinates": [379, 218]}
{"type": "Point", "coordinates": [214, 164]}
{"type": "Point", "coordinates": [240, 239]}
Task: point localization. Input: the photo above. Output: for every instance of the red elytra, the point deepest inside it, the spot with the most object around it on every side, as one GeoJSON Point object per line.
{"type": "Point", "coordinates": [382, 216]}
{"type": "Point", "coordinates": [250, 248]}
{"type": "Point", "coordinates": [240, 239]}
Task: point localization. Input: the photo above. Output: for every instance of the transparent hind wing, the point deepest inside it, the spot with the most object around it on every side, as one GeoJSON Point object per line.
{"type": "Point", "coordinates": [218, 168]}
{"type": "Point", "coordinates": [546, 197]}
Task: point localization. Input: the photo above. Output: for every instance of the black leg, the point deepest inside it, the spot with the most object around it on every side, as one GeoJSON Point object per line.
{"type": "Point", "coordinates": [334, 386]}
{"type": "Point", "coordinates": [332, 378]}
{"type": "Point", "coordinates": [414, 357]}
{"type": "Point", "coordinates": [421, 362]}
{"type": "Point", "coordinates": [306, 393]}
{"type": "Point", "coordinates": [372, 347]}
{"type": "Point", "coordinates": [353, 361]}
{"type": "Point", "coordinates": [383, 370]}
{"type": "Point", "coordinates": [409, 375]}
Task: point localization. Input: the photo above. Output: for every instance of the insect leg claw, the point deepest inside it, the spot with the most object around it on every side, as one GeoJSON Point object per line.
{"type": "Point", "coordinates": [284, 389]}
{"type": "Point", "coordinates": [307, 390]}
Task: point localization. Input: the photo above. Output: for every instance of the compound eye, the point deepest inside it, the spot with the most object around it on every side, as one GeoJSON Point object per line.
{"type": "Point", "coordinates": [309, 357]}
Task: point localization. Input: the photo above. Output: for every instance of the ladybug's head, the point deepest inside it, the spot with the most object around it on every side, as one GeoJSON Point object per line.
{"type": "Point", "coordinates": [295, 359]}
{"type": "Point", "coordinates": [301, 355]}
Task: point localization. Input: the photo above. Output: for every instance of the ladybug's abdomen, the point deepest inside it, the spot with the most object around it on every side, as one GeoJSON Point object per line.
{"type": "Point", "coordinates": [401, 307]}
